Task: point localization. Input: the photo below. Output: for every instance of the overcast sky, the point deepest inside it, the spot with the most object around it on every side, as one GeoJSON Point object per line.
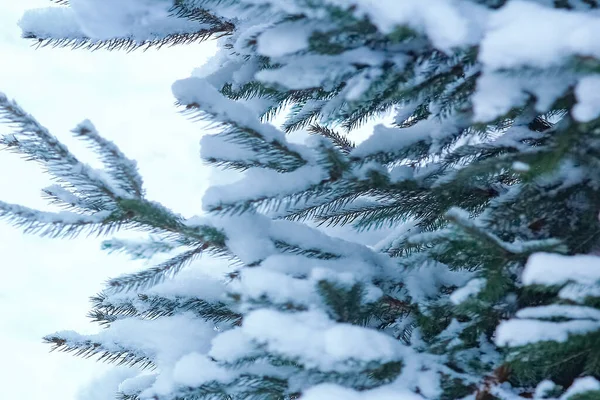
{"type": "Point", "coordinates": [46, 284]}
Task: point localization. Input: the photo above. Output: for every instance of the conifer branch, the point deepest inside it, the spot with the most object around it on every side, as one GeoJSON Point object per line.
{"type": "Point", "coordinates": [518, 249]}
{"type": "Point", "coordinates": [239, 125]}
{"type": "Point", "coordinates": [138, 249]}
{"type": "Point", "coordinates": [70, 342]}
{"type": "Point", "coordinates": [35, 142]}
{"type": "Point", "coordinates": [226, 152]}
{"type": "Point", "coordinates": [125, 44]}
{"type": "Point", "coordinates": [283, 158]}
{"type": "Point", "coordinates": [303, 114]}
{"type": "Point", "coordinates": [246, 386]}
{"type": "Point", "coordinates": [340, 141]}
{"type": "Point", "coordinates": [270, 204]}
{"type": "Point", "coordinates": [150, 307]}
{"type": "Point", "coordinates": [155, 275]}
{"type": "Point", "coordinates": [70, 200]}
{"type": "Point", "coordinates": [206, 26]}
{"type": "Point", "coordinates": [122, 169]}
{"type": "Point", "coordinates": [306, 252]}
{"type": "Point", "coordinates": [123, 396]}
{"type": "Point", "coordinates": [322, 205]}
{"type": "Point", "coordinates": [242, 166]}
{"type": "Point", "coordinates": [482, 196]}
{"type": "Point", "coordinates": [61, 224]}
{"type": "Point", "coordinates": [183, 10]}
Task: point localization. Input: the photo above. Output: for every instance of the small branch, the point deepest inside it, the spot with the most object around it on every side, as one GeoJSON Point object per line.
{"type": "Point", "coordinates": [341, 142]}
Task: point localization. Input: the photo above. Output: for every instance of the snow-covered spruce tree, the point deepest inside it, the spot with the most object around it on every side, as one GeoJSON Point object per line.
{"type": "Point", "coordinates": [485, 181]}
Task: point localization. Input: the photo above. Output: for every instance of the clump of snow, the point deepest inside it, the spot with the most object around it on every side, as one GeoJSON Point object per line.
{"type": "Point", "coordinates": [284, 39]}
{"type": "Point", "coordinates": [520, 166]}
{"type": "Point", "coordinates": [163, 342]}
{"type": "Point", "coordinates": [105, 386]}
{"type": "Point", "coordinates": [359, 84]}
{"type": "Point", "coordinates": [259, 183]}
{"type": "Point", "coordinates": [527, 330]}
{"type": "Point", "coordinates": [137, 384]}
{"type": "Point", "coordinates": [232, 345]}
{"type": "Point", "coordinates": [307, 237]}
{"type": "Point", "coordinates": [318, 70]}
{"type": "Point", "coordinates": [497, 92]}
{"type": "Point", "coordinates": [447, 23]}
{"type": "Point", "coordinates": [587, 92]}
{"type": "Point", "coordinates": [472, 288]}
{"type": "Point", "coordinates": [279, 288]}
{"type": "Point", "coordinates": [194, 369]}
{"type": "Point", "coordinates": [235, 115]}
{"type": "Point", "coordinates": [190, 284]}
{"type": "Point", "coordinates": [117, 18]}
{"type": "Point", "coordinates": [398, 236]}
{"type": "Point", "coordinates": [555, 310]}
{"type": "Point", "coordinates": [317, 340]}
{"type": "Point", "coordinates": [363, 171]}
{"type": "Point", "coordinates": [198, 91]}
{"type": "Point", "coordinates": [50, 23]}
{"type": "Point", "coordinates": [216, 146]}
{"type": "Point", "coordinates": [526, 33]}
{"type": "Point", "coordinates": [401, 173]}
{"type": "Point", "coordinates": [579, 291]}
{"type": "Point", "coordinates": [386, 139]}
{"type": "Point", "coordinates": [555, 269]}
{"type": "Point", "coordinates": [247, 237]}
{"type": "Point", "coordinates": [108, 19]}
{"type": "Point", "coordinates": [581, 385]}
{"type": "Point", "coordinates": [451, 333]}
{"type": "Point", "coordinates": [424, 282]}
{"type": "Point", "coordinates": [520, 332]}
{"type": "Point", "coordinates": [311, 338]}
{"type": "Point", "coordinates": [543, 388]}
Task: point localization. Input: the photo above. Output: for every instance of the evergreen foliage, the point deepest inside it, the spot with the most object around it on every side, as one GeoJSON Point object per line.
{"type": "Point", "coordinates": [483, 185]}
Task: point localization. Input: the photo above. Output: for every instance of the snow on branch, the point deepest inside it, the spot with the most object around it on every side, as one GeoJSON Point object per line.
{"type": "Point", "coordinates": [105, 199]}
{"type": "Point", "coordinates": [344, 144]}
{"type": "Point", "coordinates": [138, 249]}
{"type": "Point", "coordinates": [60, 224]}
{"type": "Point", "coordinates": [264, 190]}
{"type": "Point", "coordinates": [108, 308]}
{"type": "Point", "coordinates": [417, 141]}
{"type": "Point", "coordinates": [139, 342]}
{"type": "Point", "coordinates": [66, 198]}
{"type": "Point", "coordinates": [33, 140]}
{"type": "Point", "coordinates": [556, 269]}
{"type": "Point", "coordinates": [520, 332]}
{"type": "Point", "coordinates": [112, 25]}
{"type": "Point", "coordinates": [241, 126]}
{"type": "Point", "coordinates": [220, 150]}
{"type": "Point", "coordinates": [80, 345]}
{"type": "Point", "coordinates": [311, 339]}
{"type": "Point", "coordinates": [560, 311]}
{"type": "Point", "coordinates": [555, 322]}
{"type": "Point", "coordinates": [462, 219]}
{"type": "Point", "coordinates": [122, 169]}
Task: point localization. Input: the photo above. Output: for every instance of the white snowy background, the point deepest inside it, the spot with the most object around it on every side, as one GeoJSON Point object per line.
{"type": "Point", "coordinates": [45, 284]}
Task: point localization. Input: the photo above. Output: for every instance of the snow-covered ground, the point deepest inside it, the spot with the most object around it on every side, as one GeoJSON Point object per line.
{"type": "Point", "coordinates": [46, 283]}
